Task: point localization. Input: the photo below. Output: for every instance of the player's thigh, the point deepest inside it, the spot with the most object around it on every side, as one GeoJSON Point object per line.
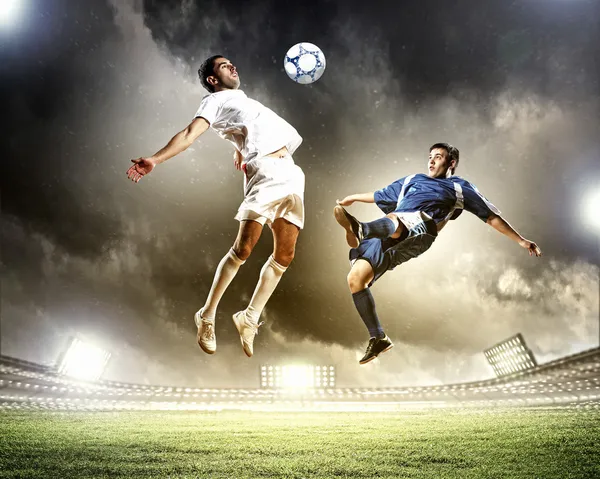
{"type": "Point", "coordinates": [247, 237]}
{"type": "Point", "coordinates": [285, 235]}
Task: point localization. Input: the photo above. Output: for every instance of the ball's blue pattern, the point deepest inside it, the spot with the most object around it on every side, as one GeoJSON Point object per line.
{"type": "Point", "coordinates": [296, 59]}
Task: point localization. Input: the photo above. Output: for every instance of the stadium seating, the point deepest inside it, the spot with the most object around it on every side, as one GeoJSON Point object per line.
{"type": "Point", "coordinates": [572, 381]}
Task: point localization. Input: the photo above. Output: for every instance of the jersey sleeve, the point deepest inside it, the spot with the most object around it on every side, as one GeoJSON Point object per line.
{"type": "Point", "coordinates": [476, 203]}
{"type": "Point", "coordinates": [387, 198]}
{"type": "Point", "coordinates": [209, 109]}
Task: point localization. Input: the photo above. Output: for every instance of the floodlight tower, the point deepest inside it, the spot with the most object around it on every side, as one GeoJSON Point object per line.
{"type": "Point", "coordinates": [510, 356]}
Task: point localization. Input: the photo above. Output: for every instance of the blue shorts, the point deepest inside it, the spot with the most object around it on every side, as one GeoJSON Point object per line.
{"type": "Point", "coordinates": [385, 254]}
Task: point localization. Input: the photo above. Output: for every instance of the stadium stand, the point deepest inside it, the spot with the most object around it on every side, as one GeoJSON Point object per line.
{"type": "Point", "coordinates": [573, 380]}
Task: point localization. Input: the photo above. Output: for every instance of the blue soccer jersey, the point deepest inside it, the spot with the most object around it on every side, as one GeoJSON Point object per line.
{"type": "Point", "coordinates": [441, 198]}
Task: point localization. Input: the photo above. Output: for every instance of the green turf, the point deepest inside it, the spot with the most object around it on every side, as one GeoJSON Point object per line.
{"type": "Point", "coordinates": [523, 443]}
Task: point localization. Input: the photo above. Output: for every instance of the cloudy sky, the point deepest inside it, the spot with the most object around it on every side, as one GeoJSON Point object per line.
{"type": "Point", "coordinates": [86, 86]}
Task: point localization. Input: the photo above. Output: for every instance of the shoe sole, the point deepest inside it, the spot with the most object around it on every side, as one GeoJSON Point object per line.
{"type": "Point", "coordinates": [204, 348]}
{"type": "Point", "coordinates": [341, 216]}
{"type": "Point", "coordinates": [371, 359]}
{"type": "Point", "coordinates": [235, 316]}
{"type": "Point", "coordinates": [207, 351]}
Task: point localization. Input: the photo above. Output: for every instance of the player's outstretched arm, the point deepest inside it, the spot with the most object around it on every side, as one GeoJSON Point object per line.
{"type": "Point", "coordinates": [361, 197]}
{"type": "Point", "coordinates": [180, 142]}
{"type": "Point", "coordinates": [499, 224]}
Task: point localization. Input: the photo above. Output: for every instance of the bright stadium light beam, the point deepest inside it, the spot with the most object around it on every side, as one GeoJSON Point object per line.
{"type": "Point", "coordinates": [591, 209]}
{"type": "Point", "coordinates": [84, 361]}
{"type": "Point", "coordinates": [590, 213]}
{"type": "Point", "coordinates": [9, 11]}
{"type": "Point", "coordinates": [297, 377]}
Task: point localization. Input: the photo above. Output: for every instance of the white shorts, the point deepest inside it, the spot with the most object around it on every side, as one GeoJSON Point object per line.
{"type": "Point", "coordinates": [410, 219]}
{"type": "Point", "coordinates": [273, 188]}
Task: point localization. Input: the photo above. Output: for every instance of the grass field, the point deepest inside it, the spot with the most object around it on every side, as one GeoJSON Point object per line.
{"type": "Point", "coordinates": [509, 443]}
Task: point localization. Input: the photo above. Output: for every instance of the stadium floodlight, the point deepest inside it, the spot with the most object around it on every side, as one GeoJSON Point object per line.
{"type": "Point", "coordinates": [297, 376]}
{"type": "Point", "coordinates": [590, 218]}
{"type": "Point", "coordinates": [510, 356]}
{"type": "Point", "coordinates": [84, 361]}
{"type": "Point", "coordinates": [591, 206]}
{"type": "Point", "coordinates": [9, 9]}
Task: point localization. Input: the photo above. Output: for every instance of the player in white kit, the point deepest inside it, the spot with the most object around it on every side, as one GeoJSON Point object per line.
{"type": "Point", "coordinates": [273, 190]}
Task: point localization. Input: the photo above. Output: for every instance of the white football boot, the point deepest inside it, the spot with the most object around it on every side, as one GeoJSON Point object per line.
{"type": "Point", "coordinates": [206, 337]}
{"type": "Point", "coordinates": [247, 329]}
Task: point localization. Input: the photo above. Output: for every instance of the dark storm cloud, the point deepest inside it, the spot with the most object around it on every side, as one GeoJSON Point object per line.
{"type": "Point", "coordinates": [128, 265]}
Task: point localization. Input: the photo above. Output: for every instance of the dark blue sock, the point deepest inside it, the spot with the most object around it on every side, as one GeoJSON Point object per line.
{"type": "Point", "coordinates": [365, 305]}
{"type": "Point", "coordinates": [381, 228]}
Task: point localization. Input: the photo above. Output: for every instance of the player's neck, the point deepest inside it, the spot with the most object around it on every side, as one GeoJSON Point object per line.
{"type": "Point", "coordinates": [220, 89]}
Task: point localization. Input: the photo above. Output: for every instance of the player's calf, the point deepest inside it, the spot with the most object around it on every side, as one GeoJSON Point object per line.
{"type": "Point", "coordinates": [380, 228]}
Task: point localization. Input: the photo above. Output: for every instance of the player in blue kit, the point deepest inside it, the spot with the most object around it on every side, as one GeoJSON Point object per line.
{"type": "Point", "coordinates": [417, 207]}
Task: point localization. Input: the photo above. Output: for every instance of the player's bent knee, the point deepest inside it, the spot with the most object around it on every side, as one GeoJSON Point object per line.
{"type": "Point", "coordinates": [400, 228]}
{"type": "Point", "coordinates": [284, 257]}
{"type": "Point", "coordinates": [394, 218]}
{"type": "Point", "coordinates": [396, 221]}
{"type": "Point", "coordinates": [242, 250]}
{"type": "Point", "coordinates": [356, 282]}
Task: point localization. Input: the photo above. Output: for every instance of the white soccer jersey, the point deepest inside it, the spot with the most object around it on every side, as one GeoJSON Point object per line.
{"type": "Point", "coordinates": [254, 129]}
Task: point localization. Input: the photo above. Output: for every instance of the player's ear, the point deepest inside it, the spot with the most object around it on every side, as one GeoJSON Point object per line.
{"type": "Point", "coordinates": [212, 80]}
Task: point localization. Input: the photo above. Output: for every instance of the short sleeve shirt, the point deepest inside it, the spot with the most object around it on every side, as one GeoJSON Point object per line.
{"type": "Point", "coordinates": [254, 129]}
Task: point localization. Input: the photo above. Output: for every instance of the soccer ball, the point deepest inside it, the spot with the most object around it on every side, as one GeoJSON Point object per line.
{"type": "Point", "coordinates": [304, 63]}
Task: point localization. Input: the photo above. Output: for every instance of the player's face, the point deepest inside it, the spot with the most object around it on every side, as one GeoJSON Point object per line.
{"type": "Point", "coordinates": [227, 75]}
{"type": "Point", "coordinates": [438, 165]}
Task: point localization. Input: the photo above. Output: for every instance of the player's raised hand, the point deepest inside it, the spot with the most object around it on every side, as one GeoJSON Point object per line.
{"type": "Point", "coordinates": [531, 247]}
{"type": "Point", "coordinates": [347, 201]}
{"type": "Point", "coordinates": [237, 160]}
{"type": "Point", "coordinates": [140, 167]}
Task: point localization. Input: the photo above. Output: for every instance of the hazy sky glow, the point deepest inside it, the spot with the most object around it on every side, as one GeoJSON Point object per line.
{"type": "Point", "coordinates": [89, 85]}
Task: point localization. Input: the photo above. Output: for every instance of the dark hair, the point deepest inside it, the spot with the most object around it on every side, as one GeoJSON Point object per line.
{"type": "Point", "coordinates": [453, 153]}
{"type": "Point", "coordinates": [206, 70]}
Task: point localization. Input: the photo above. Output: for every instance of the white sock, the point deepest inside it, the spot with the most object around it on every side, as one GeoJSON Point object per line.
{"type": "Point", "coordinates": [270, 274]}
{"type": "Point", "coordinates": [226, 271]}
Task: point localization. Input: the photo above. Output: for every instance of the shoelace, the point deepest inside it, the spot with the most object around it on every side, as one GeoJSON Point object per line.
{"type": "Point", "coordinates": [209, 329]}
{"type": "Point", "coordinates": [253, 327]}
{"type": "Point", "coordinates": [372, 342]}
